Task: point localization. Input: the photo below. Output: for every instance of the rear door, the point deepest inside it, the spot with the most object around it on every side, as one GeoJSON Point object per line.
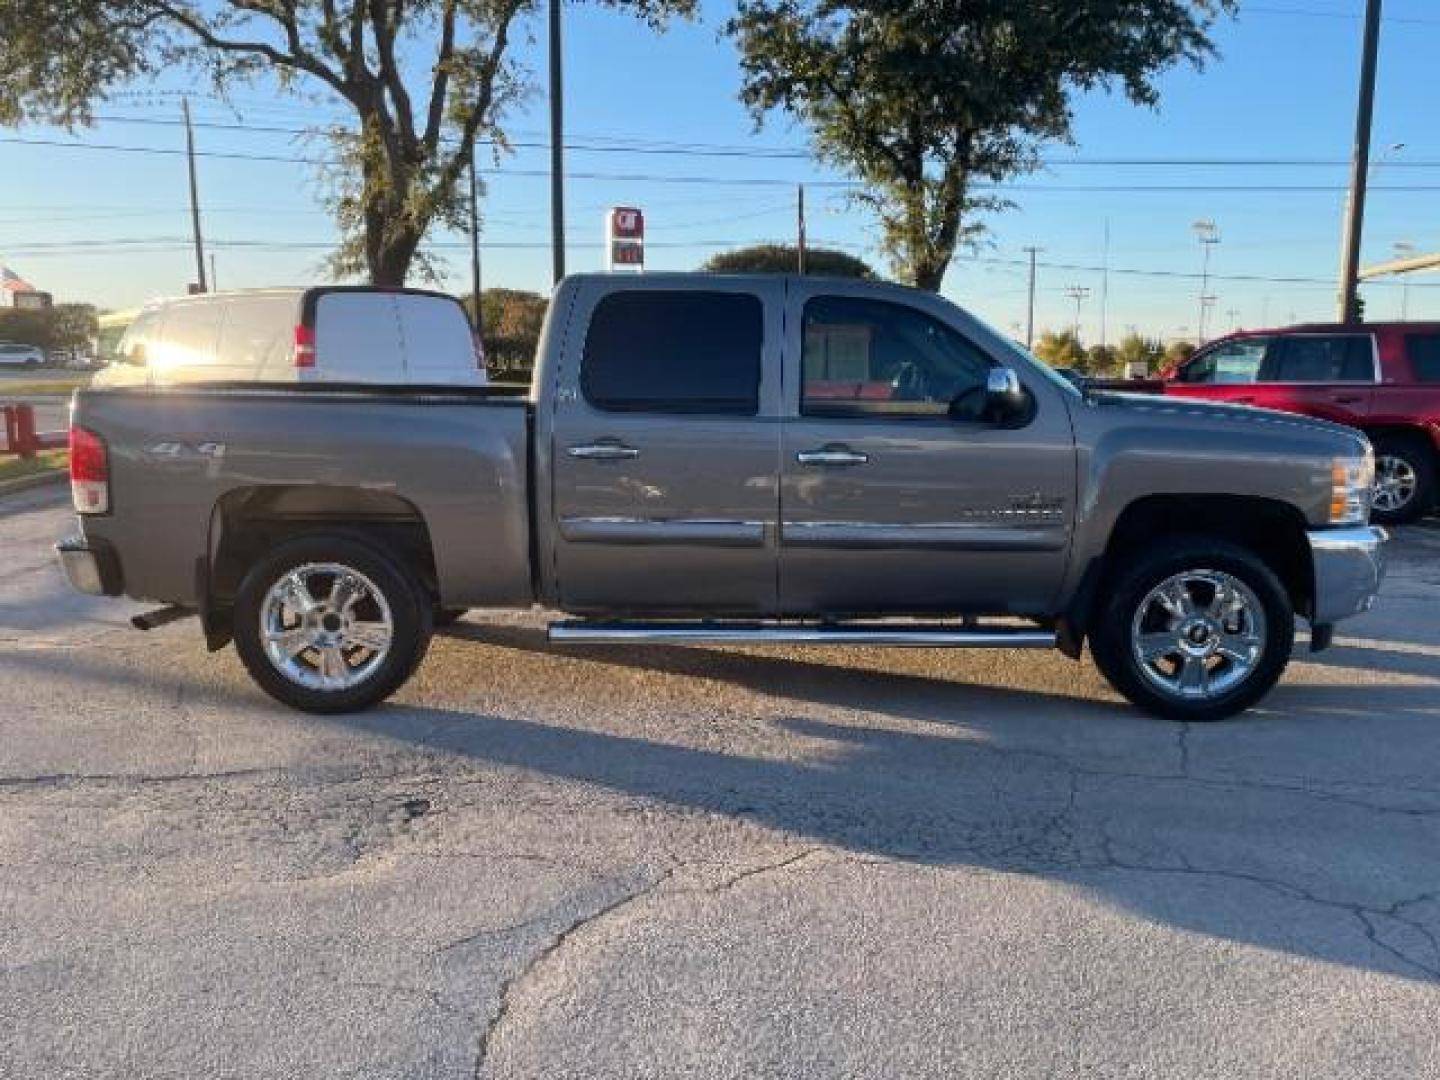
{"type": "Point", "coordinates": [1330, 376]}
{"type": "Point", "coordinates": [357, 338]}
{"type": "Point", "coordinates": [897, 495]}
{"type": "Point", "coordinates": [439, 345]}
{"type": "Point", "coordinates": [665, 447]}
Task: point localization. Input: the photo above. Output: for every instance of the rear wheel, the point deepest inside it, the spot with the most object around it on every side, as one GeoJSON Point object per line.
{"type": "Point", "coordinates": [1404, 480]}
{"type": "Point", "coordinates": [1199, 632]}
{"type": "Point", "coordinates": [330, 624]}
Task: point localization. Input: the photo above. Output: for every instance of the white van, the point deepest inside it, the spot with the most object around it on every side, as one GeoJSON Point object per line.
{"type": "Point", "coordinates": [330, 334]}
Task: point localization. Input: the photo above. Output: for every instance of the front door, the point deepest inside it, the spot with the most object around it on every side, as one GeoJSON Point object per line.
{"type": "Point", "coordinates": [665, 450]}
{"type": "Point", "coordinates": [897, 494]}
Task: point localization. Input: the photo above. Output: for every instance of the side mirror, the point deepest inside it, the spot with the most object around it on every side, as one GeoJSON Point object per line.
{"type": "Point", "coordinates": [1005, 398]}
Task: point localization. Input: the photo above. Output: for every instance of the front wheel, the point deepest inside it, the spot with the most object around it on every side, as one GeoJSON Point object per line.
{"type": "Point", "coordinates": [329, 624]}
{"type": "Point", "coordinates": [1201, 631]}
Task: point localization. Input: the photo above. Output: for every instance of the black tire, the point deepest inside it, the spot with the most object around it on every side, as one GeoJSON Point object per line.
{"type": "Point", "coordinates": [1420, 459]}
{"type": "Point", "coordinates": [1129, 585]}
{"type": "Point", "coordinates": [410, 612]}
{"type": "Point", "coordinates": [449, 616]}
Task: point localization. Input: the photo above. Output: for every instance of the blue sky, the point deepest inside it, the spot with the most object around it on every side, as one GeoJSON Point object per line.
{"type": "Point", "coordinates": [110, 227]}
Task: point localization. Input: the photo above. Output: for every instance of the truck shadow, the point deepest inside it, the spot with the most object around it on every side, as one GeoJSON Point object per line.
{"type": "Point", "coordinates": [1309, 827]}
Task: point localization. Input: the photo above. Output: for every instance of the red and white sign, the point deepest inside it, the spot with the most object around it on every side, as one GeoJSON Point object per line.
{"type": "Point", "coordinates": [625, 239]}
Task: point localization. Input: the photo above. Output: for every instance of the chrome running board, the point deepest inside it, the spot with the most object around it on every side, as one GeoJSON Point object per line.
{"type": "Point", "coordinates": [929, 636]}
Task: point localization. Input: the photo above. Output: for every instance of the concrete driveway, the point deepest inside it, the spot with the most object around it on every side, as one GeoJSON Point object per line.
{"type": "Point", "coordinates": [717, 862]}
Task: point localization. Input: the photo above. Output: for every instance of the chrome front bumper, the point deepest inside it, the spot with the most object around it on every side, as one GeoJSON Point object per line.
{"type": "Point", "coordinates": [1349, 564]}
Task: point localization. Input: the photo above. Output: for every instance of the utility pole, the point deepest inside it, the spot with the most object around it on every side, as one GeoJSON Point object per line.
{"type": "Point", "coordinates": [475, 243]}
{"type": "Point", "coordinates": [1030, 307]}
{"type": "Point", "coordinates": [1233, 314]}
{"type": "Point", "coordinates": [1209, 236]}
{"type": "Point", "coordinates": [1078, 293]}
{"type": "Point", "coordinates": [557, 148]}
{"type": "Point", "coordinates": [1359, 166]}
{"type": "Point", "coordinates": [1105, 284]}
{"type": "Point", "coordinates": [214, 277]}
{"type": "Point", "coordinates": [800, 227]}
{"type": "Point", "coordinates": [200, 282]}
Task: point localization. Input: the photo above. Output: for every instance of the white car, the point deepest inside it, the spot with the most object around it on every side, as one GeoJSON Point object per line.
{"type": "Point", "coordinates": [13, 354]}
{"type": "Point", "coordinates": [327, 334]}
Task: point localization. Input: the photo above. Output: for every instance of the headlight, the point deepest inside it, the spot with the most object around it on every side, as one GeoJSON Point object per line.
{"type": "Point", "coordinates": [1352, 484]}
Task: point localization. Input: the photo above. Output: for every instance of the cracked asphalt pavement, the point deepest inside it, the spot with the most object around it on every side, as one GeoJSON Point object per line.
{"type": "Point", "coordinates": [653, 862]}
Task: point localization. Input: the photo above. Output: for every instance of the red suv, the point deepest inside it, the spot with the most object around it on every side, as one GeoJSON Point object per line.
{"type": "Point", "coordinates": [1383, 378]}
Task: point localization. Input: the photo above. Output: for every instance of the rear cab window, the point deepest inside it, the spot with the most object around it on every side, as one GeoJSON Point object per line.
{"type": "Point", "coordinates": [357, 338]}
{"type": "Point", "coordinates": [674, 351]}
{"type": "Point", "coordinates": [1321, 358]}
{"type": "Point", "coordinates": [1423, 351]}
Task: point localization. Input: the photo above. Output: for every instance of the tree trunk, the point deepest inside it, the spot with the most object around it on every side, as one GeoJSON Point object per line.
{"type": "Point", "coordinates": [389, 259]}
{"type": "Point", "coordinates": [929, 273]}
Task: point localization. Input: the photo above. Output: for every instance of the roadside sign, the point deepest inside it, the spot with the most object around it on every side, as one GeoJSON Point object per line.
{"type": "Point", "coordinates": [625, 239]}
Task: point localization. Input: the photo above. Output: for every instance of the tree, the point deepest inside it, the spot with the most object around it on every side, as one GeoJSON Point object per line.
{"type": "Point", "coordinates": [925, 101]}
{"type": "Point", "coordinates": [1100, 359]}
{"type": "Point", "coordinates": [1061, 349]}
{"type": "Point", "coordinates": [785, 259]}
{"type": "Point", "coordinates": [424, 79]}
{"type": "Point", "coordinates": [1177, 352]}
{"type": "Point", "coordinates": [511, 320]}
{"type": "Point", "coordinates": [1145, 353]}
{"type": "Point", "coordinates": [64, 326]}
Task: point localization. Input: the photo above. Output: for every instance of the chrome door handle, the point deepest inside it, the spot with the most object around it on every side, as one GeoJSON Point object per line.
{"type": "Point", "coordinates": [834, 456]}
{"type": "Point", "coordinates": [603, 451]}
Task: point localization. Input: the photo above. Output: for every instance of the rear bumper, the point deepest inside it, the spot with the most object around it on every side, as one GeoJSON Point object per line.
{"type": "Point", "coordinates": [1349, 565]}
{"type": "Point", "coordinates": [90, 566]}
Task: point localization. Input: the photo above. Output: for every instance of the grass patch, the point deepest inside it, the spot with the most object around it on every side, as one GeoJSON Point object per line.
{"type": "Point", "coordinates": [12, 467]}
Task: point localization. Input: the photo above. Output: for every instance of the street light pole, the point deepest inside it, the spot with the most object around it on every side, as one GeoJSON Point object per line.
{"type": "Point", "coordinates": [557, 149]}
{"type": "Point", "coordinates": [1078, 293]}
{"type": "Point", "coordinates": [1359, 167]}
{"type": "Point", "coordinates": [1209, 236]}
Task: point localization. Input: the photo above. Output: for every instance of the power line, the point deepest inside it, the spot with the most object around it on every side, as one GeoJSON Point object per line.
{"type": "Point", "coordinates": [612, 145]}
{"type": "Point", "coordinates": [741, 181]}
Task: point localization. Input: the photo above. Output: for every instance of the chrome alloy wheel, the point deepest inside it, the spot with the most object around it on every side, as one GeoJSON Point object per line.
{"type": "Point", "coordinates": [1198, 634]}
{"type": "Point", "coordinates": [326, 626]}
{"type": "Point", "coordinates": [1395, 483]}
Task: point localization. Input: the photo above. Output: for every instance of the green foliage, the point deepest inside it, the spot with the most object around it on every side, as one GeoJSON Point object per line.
{"type": "Point", "coordinates": [423, 80]}
{"type": "Point", "coordinates": [1177, 352]}
{"type": "Point", "coordinates": [64, 326]}
{"type": "Point", "coordinates": [785, 259]}
{"type": "Point", "coordinates": [511, 323]}
{"type": "Point", "coordinates": [926, 100]}
{"type": "Point", "coordinates": [1100, 360]}
{"type": "Point", "coordinates": [1061, 349]}
{"type": "Point", "coordinates": [1137, 350]}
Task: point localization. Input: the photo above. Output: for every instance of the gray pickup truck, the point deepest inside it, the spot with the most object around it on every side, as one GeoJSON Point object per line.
{"type": "Point", "coordinates": [750, 460]}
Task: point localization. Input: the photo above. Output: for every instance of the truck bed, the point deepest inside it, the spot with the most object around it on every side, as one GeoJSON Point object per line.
{"type": "Point", "coordinates": [185, 460]}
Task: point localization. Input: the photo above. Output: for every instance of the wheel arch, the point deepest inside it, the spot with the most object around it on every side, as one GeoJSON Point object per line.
{"type": "Point", "coordinates": [246, 522]}
{"type": "Point", "coordinates": [1275, 531]}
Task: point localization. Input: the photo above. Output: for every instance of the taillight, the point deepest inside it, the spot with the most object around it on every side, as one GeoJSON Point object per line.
{"type": "Point", "coordinates": [89, 472]}
{"type": "Point", "coordinates": [304, 346]}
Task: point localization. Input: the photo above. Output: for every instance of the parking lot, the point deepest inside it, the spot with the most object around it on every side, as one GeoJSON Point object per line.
{"type": "Point", "coordinates": [714, 862]}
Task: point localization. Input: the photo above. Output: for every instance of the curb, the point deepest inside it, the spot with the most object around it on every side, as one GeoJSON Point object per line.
{"type": "Point", "coordinates": [26, 483]}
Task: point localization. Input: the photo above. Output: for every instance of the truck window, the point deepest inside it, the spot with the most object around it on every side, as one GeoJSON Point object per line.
{"type": "Point", "coordinates": [139, 337]}
{"type": "Point", "coordinates": [439, 345]}
{"type": "Point", "coordinates": [1235, 362]}
{"type": "Point", "coordinates": [1424, 353]}
{"type": "Point", "coordinates": [674, 352]}
{"type": "Point", "coordinates": [867, 357]}
{"type": "Point", "coordinates": [1320, 358]}
{"type": "Point", "coordinates": [357, 337]}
